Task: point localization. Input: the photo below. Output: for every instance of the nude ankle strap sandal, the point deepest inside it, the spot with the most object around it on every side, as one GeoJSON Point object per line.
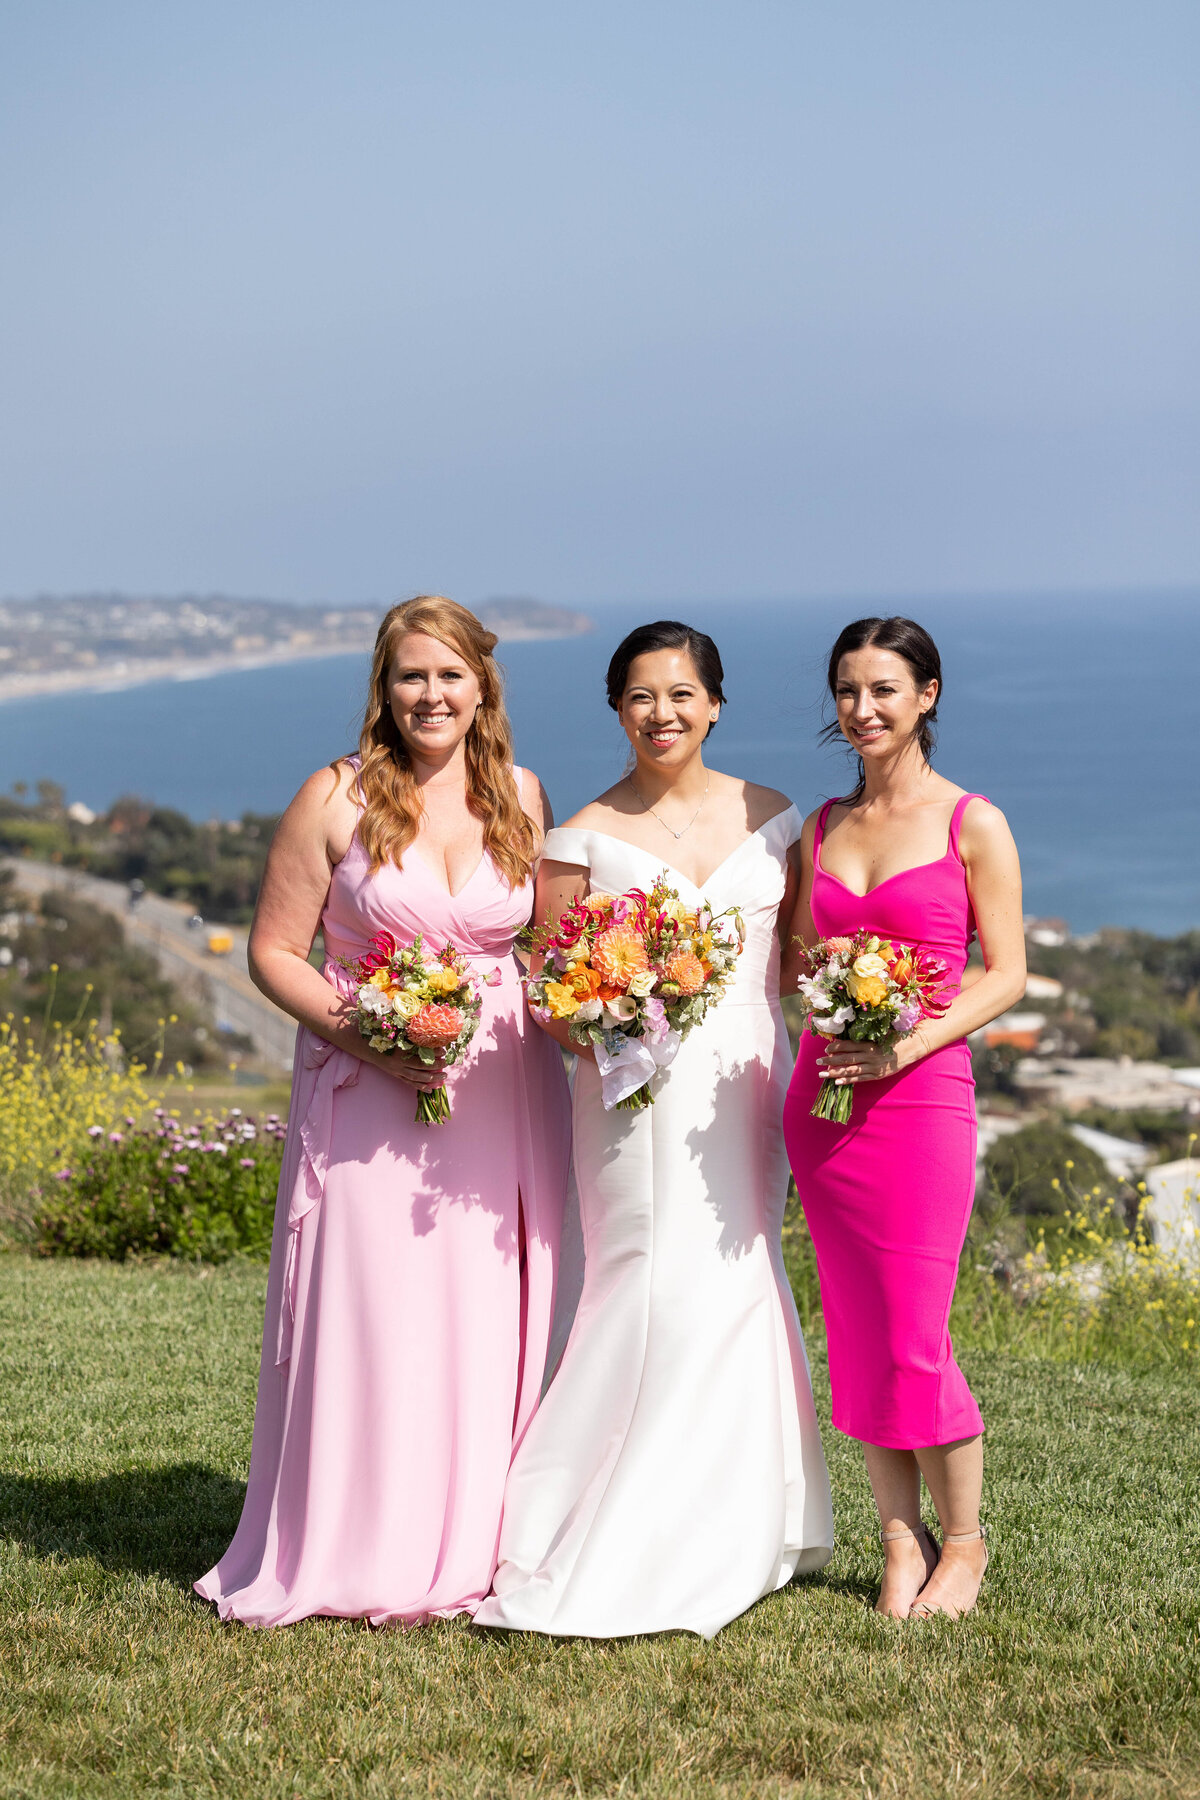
{"type": "Point", "coordinates": [906, 1531]}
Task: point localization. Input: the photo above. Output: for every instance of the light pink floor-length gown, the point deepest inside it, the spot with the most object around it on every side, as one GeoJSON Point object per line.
{"type": "Point", "coordinates": [410, 1292]}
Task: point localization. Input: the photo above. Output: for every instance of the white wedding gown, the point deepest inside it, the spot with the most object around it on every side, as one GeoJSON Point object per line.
{"type": "Point", "coordinates": [673, 1473]}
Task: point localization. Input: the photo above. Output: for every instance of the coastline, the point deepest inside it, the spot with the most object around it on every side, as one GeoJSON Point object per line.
{"type": "Point", "coordinates": [40, 684]}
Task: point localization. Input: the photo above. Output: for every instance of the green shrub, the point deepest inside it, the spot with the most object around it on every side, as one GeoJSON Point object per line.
{"type": "Point", "coordinates": [1025, 1169]}
{"type": "Point", "coordinates": [205, 1191]}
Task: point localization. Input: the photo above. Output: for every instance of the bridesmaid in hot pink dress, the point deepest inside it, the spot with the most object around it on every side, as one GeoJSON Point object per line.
{"type": "Point", "coordinates": [413, 1267]}
{"type": "Point", "coordinates": [888, 1196]}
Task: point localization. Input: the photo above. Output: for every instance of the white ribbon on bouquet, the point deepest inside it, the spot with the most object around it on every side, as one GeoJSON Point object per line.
{"type": "Point", "coordinates": [627, 1068]}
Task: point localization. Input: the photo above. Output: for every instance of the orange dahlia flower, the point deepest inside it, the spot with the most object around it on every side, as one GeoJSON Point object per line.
{"type": "Point", "coordinates": [435, 1027]}
{"type": "Point", "coordinates": [686, 971]}
{"type": "Point", "coordinates": [619, 954]}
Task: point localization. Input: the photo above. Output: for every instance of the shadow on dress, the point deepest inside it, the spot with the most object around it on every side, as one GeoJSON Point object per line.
{"type": "Point", "coordinates": [168, 1521]}
{"type": "Point", "coordinates": [737, 1092]}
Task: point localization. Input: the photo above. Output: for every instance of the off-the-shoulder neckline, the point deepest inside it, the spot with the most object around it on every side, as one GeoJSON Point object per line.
{"type": "Point", "coordinates": [699, 886]}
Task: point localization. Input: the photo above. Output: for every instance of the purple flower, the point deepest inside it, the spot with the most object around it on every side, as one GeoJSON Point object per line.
{"type": "Point", "coordinates": [180, 1168]}
{"type": "Point", "coordinates": [245, 1162]}
{"type": "Point", "coordinates": [62, 1174]}
{"type": "Point", "coordinates": [908, 1015]}
{"type": "Point", "coordinates": [95, 1131]}
{"type": "Point", "coordinates": [542, 1014]}
{"type": "Point", "coordinates": [654, 1020]}
{"type": "Point", "coordinates": [116, 1137]}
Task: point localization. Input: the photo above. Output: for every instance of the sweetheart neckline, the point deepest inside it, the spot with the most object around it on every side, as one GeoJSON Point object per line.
{"type": "Point", "coordinates": [699, 886]}
{"type": "Point", "coordinates": [914, 870]}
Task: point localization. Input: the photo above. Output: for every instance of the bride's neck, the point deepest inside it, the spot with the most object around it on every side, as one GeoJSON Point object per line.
{"type": "Point", "coordinates": [653, 783]}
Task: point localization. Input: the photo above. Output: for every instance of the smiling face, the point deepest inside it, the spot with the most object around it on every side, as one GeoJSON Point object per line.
{"type": "Point", "coordinates": [666, 710]}
{"type": "Point", "coordinates": [433, 693]}
{"type": "Point", "coordinates": [879, 705]}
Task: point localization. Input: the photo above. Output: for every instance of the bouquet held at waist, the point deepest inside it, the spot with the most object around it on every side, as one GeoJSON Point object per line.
{"type": "Point", "coordinates": [421, 1002]}
{"type": "Point", "coordinates": [872, 991]}
{"type": "Point", "coordinates": [632, 974]}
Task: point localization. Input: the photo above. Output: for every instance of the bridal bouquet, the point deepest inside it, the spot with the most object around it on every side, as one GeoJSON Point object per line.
{"type": "Point", "coordinates": [632, 974]}
{"type": "Point", "coordinates": [418, 1003]}
{"type": "Point", "coordinates": [871, 991]}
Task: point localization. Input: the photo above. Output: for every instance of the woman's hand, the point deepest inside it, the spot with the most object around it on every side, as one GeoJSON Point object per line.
{"type": "Point", "coordinates": [425, 1077]}
{"type": "Point", "coordinates": [848, 1063]}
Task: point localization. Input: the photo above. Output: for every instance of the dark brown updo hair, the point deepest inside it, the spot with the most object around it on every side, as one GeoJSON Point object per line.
{"type": "Point", "coordinates": [666, 634]}
{"type": "Point", "coordinates": [904, 637]}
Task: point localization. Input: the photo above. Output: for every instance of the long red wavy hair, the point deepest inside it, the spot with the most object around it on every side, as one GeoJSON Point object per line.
{"type": "Point", "coordinates": [391, 799]}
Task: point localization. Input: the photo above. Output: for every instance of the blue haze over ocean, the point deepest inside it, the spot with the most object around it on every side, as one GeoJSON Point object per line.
{"type": "Point", "coordinates": [1077, 715]}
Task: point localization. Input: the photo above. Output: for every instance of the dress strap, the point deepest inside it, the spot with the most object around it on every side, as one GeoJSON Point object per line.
{"type": "Point", "coordinates": [820, 833]}
{"type": "Point", "coordinates": [956, 819]}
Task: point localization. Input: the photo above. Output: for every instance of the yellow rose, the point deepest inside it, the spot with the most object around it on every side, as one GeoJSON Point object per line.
{"type": "Point", "coordinates": [382, 978]}
{"type": "Point", "coordinates": [868, 990]}
{"type": "Point", "coordinates": [443, 981]}
{"type": "Point", "coordinates": [562, 1000]}
{"type": "Point", "coordinates": [406, 1005]}
{"type": "Point", "coordinates": [869, 964]}
{"type": "Point", "coordinates": [675, 909]}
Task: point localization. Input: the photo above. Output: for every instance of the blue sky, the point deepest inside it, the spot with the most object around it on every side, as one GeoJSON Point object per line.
{"type": "Point", "coordinates": [661, 300]}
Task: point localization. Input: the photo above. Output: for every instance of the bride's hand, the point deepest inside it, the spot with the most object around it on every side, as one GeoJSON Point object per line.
{"type": "Point", "coordinates": [848, 1063]}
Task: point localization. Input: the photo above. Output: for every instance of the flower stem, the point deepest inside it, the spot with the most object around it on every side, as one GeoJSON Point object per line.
{"type": "Point", "coordinates": [641, 1097]}
{"type": "Point", "coordinates": [433, 1108]}
{"type": "Point", "coordinates": [833, 1102]}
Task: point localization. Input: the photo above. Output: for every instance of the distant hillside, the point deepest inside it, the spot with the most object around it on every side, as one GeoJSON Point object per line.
{"type": "Point", "coordinates": [52, 645]}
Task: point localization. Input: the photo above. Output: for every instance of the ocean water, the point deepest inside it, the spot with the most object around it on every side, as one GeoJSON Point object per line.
{"type": "Point", "coordinates": [1076, 715]}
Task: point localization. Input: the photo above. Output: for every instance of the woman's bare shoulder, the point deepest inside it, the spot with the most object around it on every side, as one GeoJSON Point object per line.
{"type": "Point", "coordinates": [325, 808]}
{"type": "Point", "coordinates": [602, 813]}
{"type": "Point", "coordinates": [535, 801]}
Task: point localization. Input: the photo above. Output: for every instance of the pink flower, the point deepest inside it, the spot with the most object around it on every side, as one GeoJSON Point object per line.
{"type": "Point", "coordinates": [116, 1137]}
{"type": "Point", "coordinates": [95, 1131]}
{"type": "Point", "coordinates": [179, 1168]}
{"type": "Point", "coordinates": [494, 977]}
{"type": "Point", "coordinates": [245, 1162]}
{"type": "Point", "coordinates": [656, 1026]}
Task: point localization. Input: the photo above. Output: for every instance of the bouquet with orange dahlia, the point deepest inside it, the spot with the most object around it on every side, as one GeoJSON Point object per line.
{"type": "Point", "coordinates": [871, 991]}
{"type": "Point", "coordinates": [632, 974]}
{"type": "Point", "coordinates": [420, 1005]}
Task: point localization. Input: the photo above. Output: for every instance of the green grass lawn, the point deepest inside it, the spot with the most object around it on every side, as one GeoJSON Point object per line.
{"type": "Point", "coordinates": [127, 1405]}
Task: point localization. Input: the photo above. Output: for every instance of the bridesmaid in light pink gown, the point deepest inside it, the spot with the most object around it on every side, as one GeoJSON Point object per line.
{"type": "Point", "coordinates": [413, 1267]}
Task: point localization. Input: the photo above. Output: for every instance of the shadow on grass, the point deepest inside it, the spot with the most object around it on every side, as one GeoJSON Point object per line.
{"type": "Point", "coordinates": [174, 1521]}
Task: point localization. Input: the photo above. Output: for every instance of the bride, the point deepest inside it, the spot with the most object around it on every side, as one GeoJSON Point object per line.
{"type": "Point", "coordinates": [673, 1473]}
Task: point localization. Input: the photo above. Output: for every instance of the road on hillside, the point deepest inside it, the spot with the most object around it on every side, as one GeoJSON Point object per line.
{"type": "Point", "coordinates": [161, 926]}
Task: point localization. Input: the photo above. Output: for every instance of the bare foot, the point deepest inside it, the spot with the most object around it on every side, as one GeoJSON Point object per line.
{"type": "Point", "coordinates": [910, 1559]}
{"type": "Point", "coordinates": [953, 1587]}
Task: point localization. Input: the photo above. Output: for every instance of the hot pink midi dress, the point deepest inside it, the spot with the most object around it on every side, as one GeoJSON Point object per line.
{"type": "Point", "coordinates": [410, 1291]}
{"type": "Point", "coordinates": [888, 1196]}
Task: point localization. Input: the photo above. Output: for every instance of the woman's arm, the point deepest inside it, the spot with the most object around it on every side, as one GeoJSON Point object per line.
{"type": "Point", "coordinates": [994, 884]}
{"type": "Point", "coordinates": [559, 885]}
{"type": "Point", "coordinates": [795, 914]}
{"type": "Point", "coordinates": [310, 839]}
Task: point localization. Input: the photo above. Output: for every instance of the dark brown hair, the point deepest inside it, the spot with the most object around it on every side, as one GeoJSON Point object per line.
{"type": "Point", "coordinates": [666, 634]}
{"type": "Point", "coordinates": [904, 637]}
